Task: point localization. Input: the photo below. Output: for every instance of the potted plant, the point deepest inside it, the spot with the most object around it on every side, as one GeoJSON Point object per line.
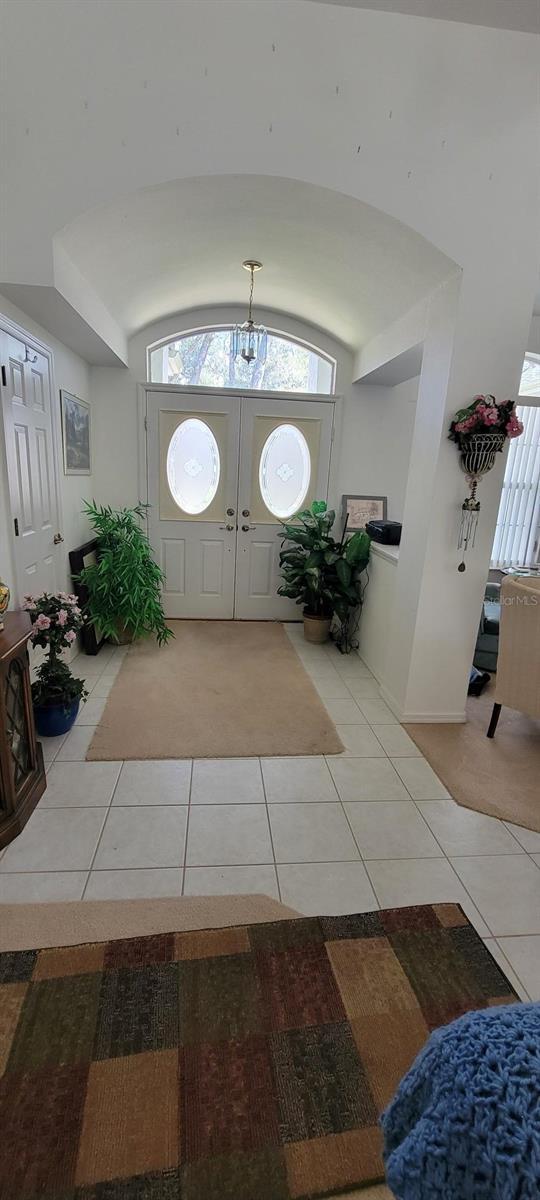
{"type": "Point", "coordinates": [481, 430]}
{"type": "Point", "coordinates": [56, 693]}
{"type": "Point", "coordinates": [124, 584]}
{"type": "Point", "coordinates": [321, 573]}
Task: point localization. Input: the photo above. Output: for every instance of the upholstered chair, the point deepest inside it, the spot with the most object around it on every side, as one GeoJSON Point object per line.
{"type": "Point", "coordinates": [518, 666]}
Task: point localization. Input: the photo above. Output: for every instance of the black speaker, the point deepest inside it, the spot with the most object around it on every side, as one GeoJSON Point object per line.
{"type": "Point", "coordinates": [387, 532]}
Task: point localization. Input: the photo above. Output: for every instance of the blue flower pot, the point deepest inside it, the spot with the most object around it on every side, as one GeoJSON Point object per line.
{"type": "Point", "coordinates": [55, 719]}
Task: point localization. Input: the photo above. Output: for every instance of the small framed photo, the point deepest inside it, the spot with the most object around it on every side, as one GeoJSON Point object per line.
{"type": "Point", "coordinates": [361, 509]}
{"type": "Point", "coordinates": [75, 434]}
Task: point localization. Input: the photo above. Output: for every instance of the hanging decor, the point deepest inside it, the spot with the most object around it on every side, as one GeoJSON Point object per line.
{"type": "Point", "coordinates": [480, 431]}
{"type": "Point", "coordinates": [249, 340]}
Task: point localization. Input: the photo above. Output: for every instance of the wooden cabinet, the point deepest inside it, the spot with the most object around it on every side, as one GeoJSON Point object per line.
{"type": "Point", "coordinates": [22, 774]}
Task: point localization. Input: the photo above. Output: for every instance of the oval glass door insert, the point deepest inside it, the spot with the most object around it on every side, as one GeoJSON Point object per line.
{"type": "Point", "coordinates": [193, 466]}
{"type": "Point", "coordinates": [284, 471]}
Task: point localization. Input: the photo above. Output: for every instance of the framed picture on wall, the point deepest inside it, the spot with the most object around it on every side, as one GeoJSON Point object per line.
{"type": "Point", "coordinates": [75, 434]}
{"type": "Point", "coordinates": [361, 509]}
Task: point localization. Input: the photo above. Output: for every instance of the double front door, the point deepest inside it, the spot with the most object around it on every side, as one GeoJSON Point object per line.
{"type": "Point", "coordinates": [223, 472]}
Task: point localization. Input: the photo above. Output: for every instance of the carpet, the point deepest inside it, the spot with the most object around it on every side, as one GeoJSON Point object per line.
{"type": "Point", "coordinates": [496, 776]}
{"type": "Point", "coordinates": [263, 1054]}
{"type": "Point", "coordinates": [220, 689]}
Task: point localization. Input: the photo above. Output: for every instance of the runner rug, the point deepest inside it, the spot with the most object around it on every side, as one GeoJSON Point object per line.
{"type": "Point", "coordinates": [246, 1063]}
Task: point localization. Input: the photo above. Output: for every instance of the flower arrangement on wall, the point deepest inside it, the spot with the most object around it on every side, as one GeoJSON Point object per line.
{"type": "Point", "coordinates": [480, 431]}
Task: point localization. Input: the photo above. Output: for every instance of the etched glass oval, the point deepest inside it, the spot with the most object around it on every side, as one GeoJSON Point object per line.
{"type": "Point", "coordinates": [193, 466]}
{"type": "Point", "coordinates": [284, 471]}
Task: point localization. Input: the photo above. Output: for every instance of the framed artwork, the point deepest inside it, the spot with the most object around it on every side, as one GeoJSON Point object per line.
{"type": "Point", "coordinates": [75, 434]}
{"type": "Point", "coordinates": [361, 509]}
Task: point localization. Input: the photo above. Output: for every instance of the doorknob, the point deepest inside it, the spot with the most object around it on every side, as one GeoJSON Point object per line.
{"type": "Point", "coordinates": [57, 539]}
{"type": "Point", "coordinates": [229, 528]}
{"type": "Point", "coordinates": [245, 512]}
{"type": "Point", "coordinates": [230, 512]}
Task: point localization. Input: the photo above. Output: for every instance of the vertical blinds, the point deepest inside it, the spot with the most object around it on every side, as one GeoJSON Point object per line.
{"type": "Point", "coordinates": [517, 535]}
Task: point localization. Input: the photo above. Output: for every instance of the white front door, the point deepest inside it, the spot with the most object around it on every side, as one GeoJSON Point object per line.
{"type": "Point", "coordinates": [223, 470]}
{"type": "Point", "coordinates": [284, 466]}
{"type": "Point", "coordinates": [29, 439]}
{"type": "Point", "coordinates": [192, 491]}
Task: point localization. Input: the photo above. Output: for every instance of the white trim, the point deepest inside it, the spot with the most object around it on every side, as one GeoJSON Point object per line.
{"type": "Point", "coordinates": [406, 717]}
{"type": "Point", "coordinates": [12, 329]}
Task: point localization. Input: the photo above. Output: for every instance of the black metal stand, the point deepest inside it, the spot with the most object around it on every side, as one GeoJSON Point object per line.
{"type": "Point", "coordinates": [494, 720]}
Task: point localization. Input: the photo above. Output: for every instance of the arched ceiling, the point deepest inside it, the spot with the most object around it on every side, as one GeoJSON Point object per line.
{"type": "Point", "coordinates": [329, 259]}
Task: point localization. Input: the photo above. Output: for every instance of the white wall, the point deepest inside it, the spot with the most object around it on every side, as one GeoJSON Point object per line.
{"type": "Point", "coordinates": [376, 442]}
{"type": "Point", "coordinates": [71, 373]}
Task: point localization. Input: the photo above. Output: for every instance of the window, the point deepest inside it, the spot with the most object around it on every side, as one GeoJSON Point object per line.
{"type": "Point", "coordinates": [203, 358]}
{"type": "Point", "coordinates": [517, 536]}
{"type": "Point", "coordinates": [530, 376]}
{"type": "Point", "coordinates": [193, 466]}
{"type": "Point", "coordinates": [284, 471]}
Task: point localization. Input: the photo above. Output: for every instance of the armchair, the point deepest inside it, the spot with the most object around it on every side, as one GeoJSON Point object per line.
{"type": "Point", "coordinates": [518, 667]}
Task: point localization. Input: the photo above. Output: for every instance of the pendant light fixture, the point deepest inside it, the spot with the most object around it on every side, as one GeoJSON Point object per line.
{"type": "Point", "coordinates": [249, 340]}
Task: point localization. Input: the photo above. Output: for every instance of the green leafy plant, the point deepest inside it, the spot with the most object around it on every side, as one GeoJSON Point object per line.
{"type": "Point", "coordinates": [124, 584]}
{"type": "Point", "coordinates": [319, 572]}
{"type": "Point", "coordinates": [56, 619]}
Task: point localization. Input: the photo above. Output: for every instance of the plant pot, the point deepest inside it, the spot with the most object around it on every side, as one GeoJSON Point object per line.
{"type": "Point", "coordinates": [124, 634]}
{"type": "Point", "coordinates": [479, 451]}
{"type": "Point", "coordinates": [316, 629]}
{"type": "Point", "coordinates": [54, 719]}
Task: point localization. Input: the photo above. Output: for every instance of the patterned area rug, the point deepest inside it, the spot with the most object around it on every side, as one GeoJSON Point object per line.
{"type": "Point", "coordinates": [249, 1063]}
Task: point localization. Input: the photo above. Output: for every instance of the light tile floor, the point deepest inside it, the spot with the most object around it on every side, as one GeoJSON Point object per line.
{"type": "Point", "coordinates": [372, 827]}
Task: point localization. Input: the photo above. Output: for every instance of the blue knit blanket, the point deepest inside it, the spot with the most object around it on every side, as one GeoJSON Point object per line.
{"type": "Point", "coordinates": [465, 1121]}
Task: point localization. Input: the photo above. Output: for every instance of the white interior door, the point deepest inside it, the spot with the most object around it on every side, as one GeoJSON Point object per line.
{"type": "Point", "coordinates": [29, 440]}
{"type": "Point", "coordinates": [192, 490]}
{"type": "Point", "coordinates": [285, 448]}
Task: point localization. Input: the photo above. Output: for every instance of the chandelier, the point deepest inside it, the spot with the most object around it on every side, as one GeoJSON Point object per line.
{"type": "Point", "coordinates": [249, 340]}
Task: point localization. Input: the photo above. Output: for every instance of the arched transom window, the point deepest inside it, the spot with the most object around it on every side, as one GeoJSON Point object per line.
{"type": "Point", "coordinates": [204, 358]}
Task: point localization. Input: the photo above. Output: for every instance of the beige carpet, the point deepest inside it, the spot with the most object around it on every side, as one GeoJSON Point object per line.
{"type": "Point", "coordinates": [37, 926]}
{"type": "Point", "coordinates": [220, 689]}
{"type": "Point", "coordinates": [500, 777]}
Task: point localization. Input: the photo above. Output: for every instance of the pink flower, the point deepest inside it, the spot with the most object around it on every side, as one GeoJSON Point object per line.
{"type": "Point", "coordinates": [28, 604]}
{"type": "Point", "coordinates": [61, 616]}
{"type": "Point", "coordinates": [70, 636]}
{"type": "Point", "coordinates": [42, 622]}
{"type": "Point", "coordinates": [514, 426]}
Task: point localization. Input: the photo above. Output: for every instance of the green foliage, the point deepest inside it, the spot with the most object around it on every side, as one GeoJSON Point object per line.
{"type": "Point", "coordinates": [56, 685]}
{"type": "Point", "coordinates": [318, 572]}
{"type": "Point", "coordinates": [124, 585]}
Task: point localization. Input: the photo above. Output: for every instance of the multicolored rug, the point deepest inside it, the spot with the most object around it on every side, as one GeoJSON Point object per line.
{"type": "Point", "coordinates": [249, 1063]}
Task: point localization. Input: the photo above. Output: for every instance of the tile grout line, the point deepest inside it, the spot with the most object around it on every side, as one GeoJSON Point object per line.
{"type": "Point", "coordinates": [276, 872]}
{"type": "Point", "coordinates": [98, 843]}
{"type": "Point", "coordinates": [182, 893]}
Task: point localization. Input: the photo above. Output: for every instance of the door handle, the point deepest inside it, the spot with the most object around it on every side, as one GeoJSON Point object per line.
{"type": "Point", "coordinates": [246, 528]}
{"type": "Point", "coordinates": [228, 528]}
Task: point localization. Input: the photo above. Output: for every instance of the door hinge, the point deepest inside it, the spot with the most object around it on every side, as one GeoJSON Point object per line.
{"type": "Point", "coordinates": [146, 423]}
{"type": "Point", "coordinates": [4, 376]}
{"type": "Point", "coordinates": [16, 526]}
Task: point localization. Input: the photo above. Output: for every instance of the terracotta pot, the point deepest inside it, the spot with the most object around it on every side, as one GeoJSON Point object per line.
{"type": "Point", "coordinates": [316, 629]}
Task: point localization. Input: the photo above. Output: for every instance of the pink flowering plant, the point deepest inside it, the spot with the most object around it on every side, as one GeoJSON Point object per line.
{"type": "Point", "coordinates": [485, 415]}
{"type": "Point", "coordinates": [56, 619]}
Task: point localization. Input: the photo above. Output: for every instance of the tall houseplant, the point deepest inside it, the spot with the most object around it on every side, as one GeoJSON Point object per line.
{"type": "Point", "coordinates": [56, 693]}
{"type": "Point", "coordinates": [321, 573]}
{"type": "Point", "coordinates": [124, 584]}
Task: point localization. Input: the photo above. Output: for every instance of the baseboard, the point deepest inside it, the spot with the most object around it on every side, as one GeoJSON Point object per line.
{"type": "Point", "coordinates": [406, 717]}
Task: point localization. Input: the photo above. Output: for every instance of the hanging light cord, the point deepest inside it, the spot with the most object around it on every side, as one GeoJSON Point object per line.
{"type": "Point", "coordinates": [251, 296]}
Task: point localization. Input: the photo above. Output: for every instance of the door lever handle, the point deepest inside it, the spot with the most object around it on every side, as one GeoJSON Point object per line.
{"type": "Point", "coordinates": [228, 528]}
{"type": "Point", "coordinates": [246, 528]}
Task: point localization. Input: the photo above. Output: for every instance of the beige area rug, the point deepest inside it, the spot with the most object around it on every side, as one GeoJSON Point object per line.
{"type": "Point", "coordinates": [41, 926]}
{"type": "Point", "coordinates": [219, 689]}
{"type": "Point", "coordinates": [499, 776]}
